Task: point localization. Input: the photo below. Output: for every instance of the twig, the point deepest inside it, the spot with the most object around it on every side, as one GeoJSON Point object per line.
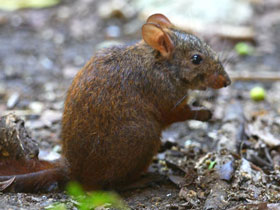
{"type": "Point", "coordinates": [250, 76]}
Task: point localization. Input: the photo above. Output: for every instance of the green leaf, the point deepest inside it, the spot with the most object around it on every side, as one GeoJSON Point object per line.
{"type": "Point", "coordinates": [12, 5]}
{"type": "Point", "coordinates": [91, 200]}
{"type": "Point", "coordinates": [212, 164]}
{"type": "Point", "coordinates": [243, 48]}
{"type": "Point", "coordinates": [75, 189]}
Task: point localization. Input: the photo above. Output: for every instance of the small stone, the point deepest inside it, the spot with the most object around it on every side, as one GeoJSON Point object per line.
{"type": "Point", "coordinates": [226, 171]}
{"type": "Point", "coordinates": [49, 117]}
{"type": "Point", "coordinates": [49, 155]}
{"type": "Point", "coordinates": [107, 44]}
{"type": "Point", "coordinates": [195, 125]}
{"type": "Point", "coordinates": [35, 124]}
{"type": "Point", "coordinates": [189, 144]}
{"type": "Point", "coordinates": [113, 31]}
{"type": "Point", "coordinates": [64, 13]}
{"type": "Point", "coordinates": [13, 100]}
{"type": "Point", "coordinates": [36, 106]}
{"type": "Point", "coordinates": [46, 63]}
{"type": "Point", "coordinates": [79, 61]}
{"type": "Point", "coordinates": [172, 206]}
{"type": "Point", "coordinates": [70, 71]}
{"type": "Point", "coordinates": [58, 39]}
{"type": "Point", "coordinates": [58, 105]}
{"type": "Point", "coordinates": [48, 34]}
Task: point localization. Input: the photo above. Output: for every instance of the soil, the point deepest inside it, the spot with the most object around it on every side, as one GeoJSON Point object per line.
{"type": "Point", "coordinates": [230, 162]}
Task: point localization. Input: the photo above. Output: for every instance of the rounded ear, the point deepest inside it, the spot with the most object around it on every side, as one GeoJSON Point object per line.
{"type": "Point", "coordinates": [158, 39]}
{"type": "Point", "coordinates": [159, 19]}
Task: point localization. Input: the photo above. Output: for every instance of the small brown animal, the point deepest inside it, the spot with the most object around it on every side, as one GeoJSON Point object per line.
{"type": "Point", "coordinates": [118, 105]}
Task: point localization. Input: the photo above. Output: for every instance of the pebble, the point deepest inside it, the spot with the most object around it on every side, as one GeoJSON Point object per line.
{"type": "Point", "coordinates": [34, 124]}
{"type": "Point", "coordinates": [79, 61]}
{"type": "Point", "coordinates": [13, 100]}
{"type": "Point", "coordinates": [48, 34]}
{"type": "Point", "coordinates": [49, 117]}
{"type": "Point", "coordinates": [46, 63]}
{"type": "Point", "coordinates": [58, 39]}
{"type": "Point", "coordinates": [48, 155]}
{"type": "Point", "coordinates": [113, 31]}
{"type": "Point", "coordinates": [58, 105]}
{"type": "Point", "coordinates": [191, 144]}
{"type": "Point", "coordinates": [50, 96]}
{"type": "Point", "coordinates": [36, 106]}
{"type": "Point", "coordinates": [64, 13]}
{"type": "Point", "coordinates": [226, 171]}
{"type": "Point", "coordinates": [70, 71]}
{"type": "Point", "coordinates": [195, 125]}
{"type": "Point", "coordinates": [107, 44]}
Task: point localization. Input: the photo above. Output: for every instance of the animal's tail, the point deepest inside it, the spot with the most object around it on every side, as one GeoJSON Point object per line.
{"type": "Point", "coordinates": [32, 176]}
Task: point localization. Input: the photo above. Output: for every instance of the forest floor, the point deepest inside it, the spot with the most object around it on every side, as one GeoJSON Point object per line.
{"type": "Point", "coordinates": [230, 162]}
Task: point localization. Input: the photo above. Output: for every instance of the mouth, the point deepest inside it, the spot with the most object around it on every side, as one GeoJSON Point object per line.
{"type": "Point", "coordinates": [218, 81]}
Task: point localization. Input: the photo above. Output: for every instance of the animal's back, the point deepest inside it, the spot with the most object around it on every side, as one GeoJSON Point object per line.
{"type": "Point", "coordinates": [108, 131]}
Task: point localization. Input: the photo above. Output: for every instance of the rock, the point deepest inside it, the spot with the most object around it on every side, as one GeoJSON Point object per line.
{"type": "Point", "coordinates": [113, 31]}
{"type": "Point", "coordinates": [13, 100]}
{"type": "Point", "coordinates": [107, 44]}
{"type": "Point", "coordinates": [15, 142]}
{"type": "Point", "coordinates": [49, 117]}
{"type": "Point", "coordinates": [36, 106]}
{"type": "Point", "coordinates": [70, 71]}
{"type": "Point", "coordinates": [46, 63]}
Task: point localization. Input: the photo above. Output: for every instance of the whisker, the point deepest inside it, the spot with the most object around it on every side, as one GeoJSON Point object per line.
{"type": "Point", "coordinates": [180, 101]}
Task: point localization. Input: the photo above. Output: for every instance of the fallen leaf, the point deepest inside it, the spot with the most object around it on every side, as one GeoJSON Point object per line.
{"type": "Point", "coordinates": [5, 184]}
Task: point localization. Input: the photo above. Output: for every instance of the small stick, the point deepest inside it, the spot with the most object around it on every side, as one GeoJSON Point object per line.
{"type": "Point", "coordinates": [250, 76]}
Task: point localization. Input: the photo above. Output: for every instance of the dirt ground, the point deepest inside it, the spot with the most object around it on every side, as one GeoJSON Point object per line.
{"type": "Point", "coordinates": [230, 162]}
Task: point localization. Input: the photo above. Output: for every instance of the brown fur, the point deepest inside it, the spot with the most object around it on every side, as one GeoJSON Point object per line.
{"type": "Point", "coordinates": [119, 103]}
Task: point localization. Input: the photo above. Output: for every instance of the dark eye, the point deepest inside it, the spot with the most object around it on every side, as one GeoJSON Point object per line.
{"type": "Point", "coordinates": [196, 59]}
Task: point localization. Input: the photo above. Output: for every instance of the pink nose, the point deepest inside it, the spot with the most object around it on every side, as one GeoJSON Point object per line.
{"type": "Point", "coordinates": [218, 81]}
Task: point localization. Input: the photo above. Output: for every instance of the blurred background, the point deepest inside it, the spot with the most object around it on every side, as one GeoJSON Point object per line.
{"type": "Point", "coordinates": [43, 43]}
